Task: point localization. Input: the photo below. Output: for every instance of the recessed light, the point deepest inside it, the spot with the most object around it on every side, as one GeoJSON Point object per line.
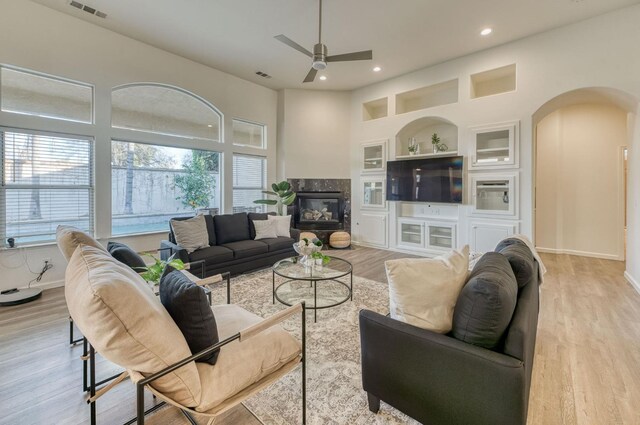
{"type": "Point", "coordinates": [210, 125]}
{"type": "Point", "coordinates": [377, 69]}
{"type": "Point", "coordinates": [486, 31]}
{"type": "Point", "coordinates": [323, 77]}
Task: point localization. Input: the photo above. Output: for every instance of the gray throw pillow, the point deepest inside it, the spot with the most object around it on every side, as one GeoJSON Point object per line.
{"type": "Point", "coordinates": [191, 234]}
{"type": "Point", "coordinates": [486, 303]}
{"type": "Point", "coordinates": [521, 259]}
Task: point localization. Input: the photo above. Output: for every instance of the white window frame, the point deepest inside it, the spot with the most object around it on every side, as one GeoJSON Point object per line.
{"type": "Point", "coordinates": [264, 134]}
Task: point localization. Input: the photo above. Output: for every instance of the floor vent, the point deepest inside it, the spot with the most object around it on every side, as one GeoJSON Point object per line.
{"type": "Point", "coordinates": [87, 9]}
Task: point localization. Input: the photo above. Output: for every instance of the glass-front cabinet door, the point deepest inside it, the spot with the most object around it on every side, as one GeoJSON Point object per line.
{"type": "Point", "coordinates": [494, 195]}
{"type": "Point", "coordinates": [374, 156]}
{"type": "Point", "coordinates": [441, 236]}
{"type": "Point", "coordinates": [411, 233]}
{"type": "Point", "coordinates": [373, 192]}
{"type": "Point", "coordinates": [495, 146]}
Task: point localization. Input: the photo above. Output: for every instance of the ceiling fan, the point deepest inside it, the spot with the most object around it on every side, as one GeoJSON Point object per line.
{"type": "Point", "coordinates": [319, 55]}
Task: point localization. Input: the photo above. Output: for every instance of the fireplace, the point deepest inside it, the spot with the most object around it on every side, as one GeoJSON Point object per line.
{"type": "Point", "coordinates": [319, 211]}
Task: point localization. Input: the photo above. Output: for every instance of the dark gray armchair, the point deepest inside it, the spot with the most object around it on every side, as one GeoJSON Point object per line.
{"type": "Point", "coordinates": [439, 380]}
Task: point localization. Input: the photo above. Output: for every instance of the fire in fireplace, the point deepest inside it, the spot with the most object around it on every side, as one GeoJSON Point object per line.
{"type": "Point", "coordinates": [319, 210]}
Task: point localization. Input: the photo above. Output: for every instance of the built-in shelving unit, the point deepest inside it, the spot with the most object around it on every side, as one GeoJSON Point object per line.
{"type": "Point", "coordinates": [374, 156]}
{"type": "Point", "coordinates": [373, 192]}
{"type": "Point", "coordinates": [493, 81]}
{"type": "Point", "coordinates": [494, 194]}
{"type": "Point", "coordinates": [375, 109]}
{"type": "Point", "coordinates": [421, 131]}
{"type": "Point", "coordinates": [427, 97]}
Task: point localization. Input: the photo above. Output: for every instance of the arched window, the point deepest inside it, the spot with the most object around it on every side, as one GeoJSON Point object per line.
{"type": "Point", "coordinates": [162, 109]}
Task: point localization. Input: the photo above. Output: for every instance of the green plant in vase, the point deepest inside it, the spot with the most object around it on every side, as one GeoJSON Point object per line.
{"type": "Point", "coordinates": [437, 146]}
{"type": "Point", "coordinates": [153, 272]}
{"type": "Point", "coordinates": [283, 193]}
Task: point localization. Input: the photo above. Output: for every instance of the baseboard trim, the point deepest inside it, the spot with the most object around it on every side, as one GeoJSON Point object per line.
{"type": "Point", "coordinates": [634, 283]}
{"type": "Point", "coordinates": [49, 285]}
{"type": "Point", "coordinates": [579, 253]}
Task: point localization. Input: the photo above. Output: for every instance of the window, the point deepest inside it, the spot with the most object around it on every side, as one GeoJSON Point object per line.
{"type": "Point", "coordinates": [46, 181]}
{"type": "Point", "coordinates": [249, 180]}
{"type": "Point", "coordinates": [151, 184]}
{"type": "Point", "coordinates": [165, 110]}
{"type": "Point", "coordinates": [35, 94]}
{"type": "Point", "coordinates": [248, 134]}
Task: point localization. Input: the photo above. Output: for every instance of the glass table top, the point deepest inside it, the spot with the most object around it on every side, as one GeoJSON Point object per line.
{"type": "Point", "coordinates": [292, 268]}
{"type": "Point", "coordinates": [321, 294]}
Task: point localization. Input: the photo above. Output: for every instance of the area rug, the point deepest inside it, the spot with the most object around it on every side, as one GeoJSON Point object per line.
{"type": "Point", "coordinates": [334, 387]}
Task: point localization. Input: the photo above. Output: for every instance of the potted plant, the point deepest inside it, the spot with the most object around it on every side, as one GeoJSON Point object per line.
{"type": "Point", "coordinates": [320, 259]}
{"type": "Point", "coordinates": [414, 148]}
{"type": "Point", "coordinates": [437, 146]}
{"type": "Point", "coordinates": [283, 193]}
{"type": "Point", "coordinates": [153, 272]}
{"type": "Point", "coordinates": [306, 248]}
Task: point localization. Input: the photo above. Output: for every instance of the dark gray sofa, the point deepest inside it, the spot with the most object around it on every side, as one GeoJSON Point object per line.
{"type": "Point", "coordinates": [231, 245]}
{"type": "Point", "coordinates": [438, 379]}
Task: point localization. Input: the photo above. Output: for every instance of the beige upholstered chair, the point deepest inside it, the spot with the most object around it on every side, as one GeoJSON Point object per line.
{"type": "Point", "coordinates": [126, 323]}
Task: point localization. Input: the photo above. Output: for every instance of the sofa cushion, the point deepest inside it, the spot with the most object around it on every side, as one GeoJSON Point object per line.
{"type": "Point", "coordinates": [245, 249]}
{"type": "Point", "coordinates": [257, 216]}
{"type": "Point", "coordinates": [231, 228]}
{"type": "Point", "coordinates": [279, 243]}
{"type": "Point", "coordinates": [265, 229]}
{"type": "Point", "coordinates": [241, 364]}
{"type": "Point", "coordinates": [189, 308]}
{"type": "Point", "coordinates": [126, 255]}
{"type": "Point", "coordinates": [486, 303]}
{"type": "Point", "coordinates": [191, 234]}
{"type": "Point", "coordinates": [520, 258]}
{"type": "Point", "coordinates": [68, 239]}
{"type": "Point", "coordinates": [119, 314]}
{"type": "Point", "coordinates": [211, 254]}
{"type": "Point", "coordinates": [423, 291]}
{"type": "Point", "coordinates": [283, 225]}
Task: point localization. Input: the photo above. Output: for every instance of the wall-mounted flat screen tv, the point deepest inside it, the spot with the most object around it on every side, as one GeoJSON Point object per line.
{"type": "Point", "coordinates": [425, 180]}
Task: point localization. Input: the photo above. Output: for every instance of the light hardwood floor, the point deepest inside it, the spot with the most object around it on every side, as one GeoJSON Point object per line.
{"type": "Point", "coordinates": [586, 369]}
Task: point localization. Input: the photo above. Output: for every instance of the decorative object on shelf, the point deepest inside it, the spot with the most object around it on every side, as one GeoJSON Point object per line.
{"type": "Point", "coordinates": [306, 247]}
{"type": "Point", "coordinates": [152, 273]}
{"type": "Point", "coordinates": [437, 146]}
{"type": "Point", "coordinates": [283, 193]}
{"type": "Point", "coordinates": [340, 240]}
{"type": "Point", "coordinates": [308, 235]}
{"type": "Point", "coordinates": [414, 147]}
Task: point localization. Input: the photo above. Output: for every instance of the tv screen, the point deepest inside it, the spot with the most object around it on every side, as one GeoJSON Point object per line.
{"type": "Point", "coordinates": [425, 180]}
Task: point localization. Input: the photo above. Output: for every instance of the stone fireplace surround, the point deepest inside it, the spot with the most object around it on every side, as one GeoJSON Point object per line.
{"type": "Point", "coordinates": [330, 187]}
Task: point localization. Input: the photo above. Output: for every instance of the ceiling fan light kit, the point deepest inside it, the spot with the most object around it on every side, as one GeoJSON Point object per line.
{"type": "Point", "coordinates": [320, 57]}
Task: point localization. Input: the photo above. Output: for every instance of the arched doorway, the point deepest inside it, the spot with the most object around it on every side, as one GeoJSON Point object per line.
{"type": "Point", "coordinates": [580, 151]}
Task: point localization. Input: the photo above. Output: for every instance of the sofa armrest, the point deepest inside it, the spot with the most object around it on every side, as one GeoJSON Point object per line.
{"type": "Point", "coordinates": [295, 234]}
{"type": "Point", "coordinates": [167, 249]}
{"type": "Point", "coordinates": [435, 378]}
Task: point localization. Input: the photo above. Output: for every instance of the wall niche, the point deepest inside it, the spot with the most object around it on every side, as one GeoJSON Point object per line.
{"type": "Point", "coordinates": [421, 130]}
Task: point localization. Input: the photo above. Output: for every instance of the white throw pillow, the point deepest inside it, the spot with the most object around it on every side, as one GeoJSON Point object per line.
{"type": "Point", "coordinates": [265, 229]}
{"type": "Point", "coordinates": [424, 291]}
{"type": "Point", "coordinates": [283, 224]}
{"type": "Point", "coordinates": [191, 234]}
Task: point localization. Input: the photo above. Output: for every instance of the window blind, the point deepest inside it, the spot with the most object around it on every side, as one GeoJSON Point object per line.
{"type": "Point", "coordinates": [47, 180]}
{"type": "Point", "coordinates": [249, 180]}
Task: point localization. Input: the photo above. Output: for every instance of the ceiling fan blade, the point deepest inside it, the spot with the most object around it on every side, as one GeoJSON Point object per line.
{"type": "Point", "coordinates": [355, 56]}
{"type": "Point", "coordinates": [289, 42]}
{"type": "Point", "coordinates": [310, 76]}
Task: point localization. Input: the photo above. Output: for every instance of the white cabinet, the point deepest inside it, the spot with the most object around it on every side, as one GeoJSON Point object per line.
{"type": "Point", "coordinates": [485, 235]}
{"type": "Point", "coordinates": [494, 195]}
{"type": "Point", "coordinates": [426, 235]}
{"type": "Point", "coordinates": [372, 229]}
{"type": "Point", "coordinates": [495, 146]}
{"type": "Point", "coordinates": [373, 192]}
{"type": "Point", "coordinates": [411, 233]}
{"type": "Point", "coordinates": [441, 236]}
{"type": "Point", "coordinates": [374, 156]}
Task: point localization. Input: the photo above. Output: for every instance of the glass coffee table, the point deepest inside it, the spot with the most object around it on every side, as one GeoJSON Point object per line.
{"type": "Point", "coordinates": [319, 286]}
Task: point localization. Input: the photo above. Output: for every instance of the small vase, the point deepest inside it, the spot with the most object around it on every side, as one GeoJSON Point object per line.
{"type": "Point", "coordinates": [319, 263]}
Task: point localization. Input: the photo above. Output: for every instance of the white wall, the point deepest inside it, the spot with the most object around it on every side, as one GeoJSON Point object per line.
{"type": "Point", "coordinates": [38, 38]}
{"type": "Point", "coordinates": [313, 140]}
{"type": "Point", "coordinates": [599, 52]}
{"type": "Point", "coordinates": [579, 185]}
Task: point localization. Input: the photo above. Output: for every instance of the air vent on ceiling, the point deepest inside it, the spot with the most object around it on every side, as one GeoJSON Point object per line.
{"type": "Point", "coordinates": [263, 75]}
{"type": "Point", "coordinates": [88, 9]}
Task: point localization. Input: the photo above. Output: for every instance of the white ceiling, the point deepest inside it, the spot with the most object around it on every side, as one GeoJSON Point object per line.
{"type": "Point", "coordinates": [236, 36]}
